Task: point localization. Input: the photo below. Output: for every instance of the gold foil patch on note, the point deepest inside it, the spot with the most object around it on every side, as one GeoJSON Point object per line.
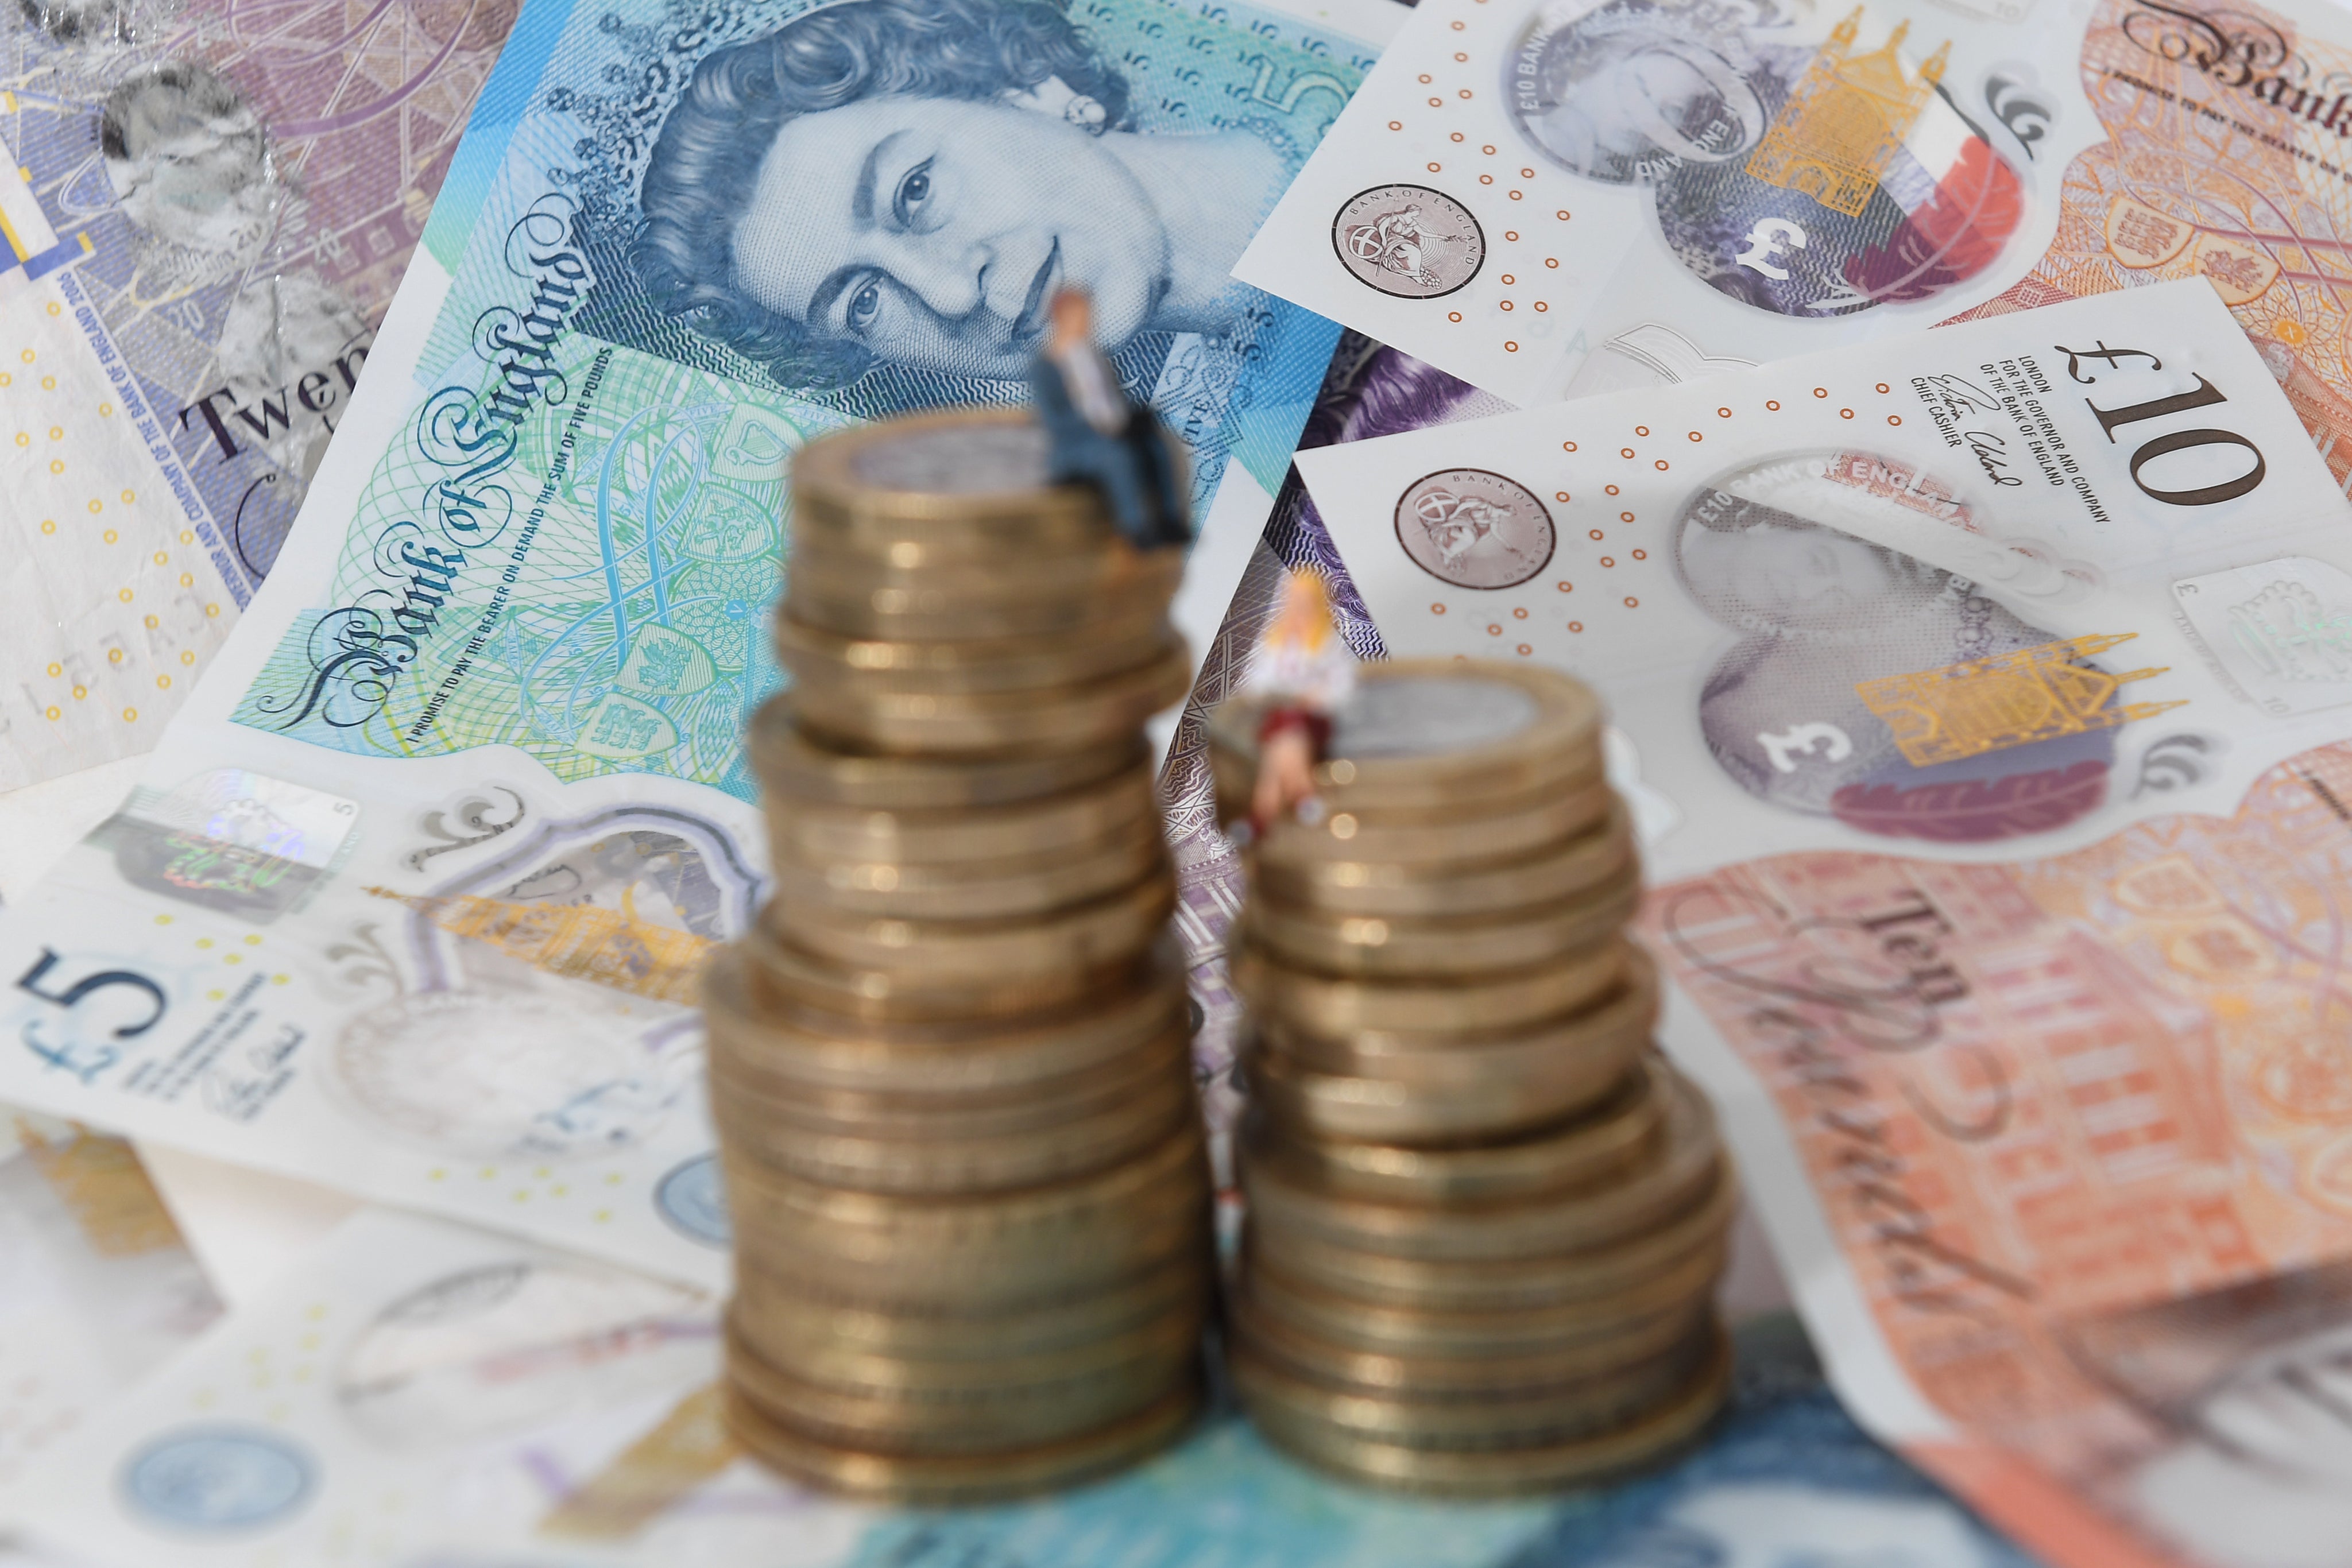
{"type": "Point", "coordinates": [1843, 122]}
{"type": "Point", "coordinates": [1991, 704]}
{"type": "Point", "coordinates": [102, 1184]}
{"type": "Point", "coordinates": [655, 1473]}
{"type": "Point", "coordinates": [580, 941]}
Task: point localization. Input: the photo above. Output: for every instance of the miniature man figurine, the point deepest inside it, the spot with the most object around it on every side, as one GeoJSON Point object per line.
{"type": "Point", "coordinates": [1101, 439]}
{"type": "Point", "coordinates": [1304, 666]}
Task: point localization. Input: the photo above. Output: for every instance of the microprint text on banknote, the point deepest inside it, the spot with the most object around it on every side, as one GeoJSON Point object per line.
{"type": "Point", "coordinates": [668, 286]}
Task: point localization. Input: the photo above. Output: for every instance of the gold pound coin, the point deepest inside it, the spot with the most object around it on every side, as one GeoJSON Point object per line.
{"type": "Point", "coordinates": [1505, 1370]}
{"type": "Point", "coordinates": [1074, 717]}
{"type": "Point", "coordinates": [1573, 868]}
{"type": "Point", "coordinates": [898, 993]}
{"type": "Point", "coordinates": [1611, 1142]}
{"type": "Point", "coordinates": [1003, 1248]}
{"type": "Point", "coordinates": [1652, 1436]}
{"type": "Point", "coordinates": [953, 1480]}
{"type": "Point", "coordinates": [815, 833]}
{"type": "Point", "coordinates": [1079, 939]}
{"type": "Point", "coordinates": [1442, 733]}
{"type": "Point", "coordinates": [1525, 1417]}
{"type": "Point", "coordinates": [961, 1166]}
{"type": "Point", "coordinates": [1334, 1007]}
{"type": "Point", "coordinates": [922, 1113]}
{"type": "Point", "coordinates": [1688, 1244]}
{"type": "Point", "coordinates": [850, 597]}
{"type": "Point", "coordinates": [857, 666]}
{"type": "Point", "coordinates": [1391, 1330]}
{"type": "Point", "coordinates": [762, 1038]}
{"type": "Point", "coordinates": [1437, 841]}
{"type": "Point", "coordinates": [1024, 886]}
{"type": "Point", "coordinates": [956, 474]}
{"type": "Point", "coordinates": [1029, 1377]}
{"type": "Point", "coordinates": [770, 1310]}
{"type": "Point", "coordinates": [1363, 1092]}
{"type": "Point", "coordinates": [1448, 948]}
{"type": "Point", "coordinates": [963, 1421]}
{"type": "Point", "coordinates": [1287, 1199]}
{"type": "Point", "coordinates": [794, 765]}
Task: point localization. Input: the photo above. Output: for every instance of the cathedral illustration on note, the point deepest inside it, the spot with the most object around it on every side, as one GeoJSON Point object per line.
{"type": "Point", "coordinates": [1989, 705]}
{"type": "Point", "coordinates": [1835, 137]}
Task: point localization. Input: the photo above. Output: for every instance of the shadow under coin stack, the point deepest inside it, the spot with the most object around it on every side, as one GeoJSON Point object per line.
{"type": "Point", "coordinates": [1485, 1219]}
{"type": "Point", "coordinates": [951, 1064]}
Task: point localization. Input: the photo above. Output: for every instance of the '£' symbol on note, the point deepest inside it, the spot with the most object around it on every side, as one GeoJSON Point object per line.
{"type": "Point", "coordinates": [1765, 241]}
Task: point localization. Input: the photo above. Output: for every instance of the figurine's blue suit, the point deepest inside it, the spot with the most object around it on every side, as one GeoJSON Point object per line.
{"type": "Point", "coordinates": [1134, 469]}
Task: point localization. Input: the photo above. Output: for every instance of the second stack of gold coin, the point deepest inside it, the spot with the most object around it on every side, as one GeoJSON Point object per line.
{"type": "Point", "coordinates": [1485, 1219]}
{"type": "Point", "coordinates": [951, 1066]}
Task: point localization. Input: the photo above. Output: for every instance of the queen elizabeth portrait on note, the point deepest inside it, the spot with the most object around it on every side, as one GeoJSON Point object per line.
{"type": "Point", "coordinates": [906, 182]}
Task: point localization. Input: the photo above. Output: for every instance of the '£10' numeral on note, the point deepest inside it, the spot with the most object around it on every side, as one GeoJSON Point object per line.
{"type": "Point", "coordinates": [2204, 394]}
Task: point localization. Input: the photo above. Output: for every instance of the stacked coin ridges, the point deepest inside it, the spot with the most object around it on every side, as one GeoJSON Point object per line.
{"type": "Point", "coordinates": [951, 1066]}
{"type": "Point", "coordinates": [1485, 1217]}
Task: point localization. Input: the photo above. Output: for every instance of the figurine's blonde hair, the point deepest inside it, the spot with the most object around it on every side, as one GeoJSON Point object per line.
{"type": "Point", "coordinates": [1304, 617]}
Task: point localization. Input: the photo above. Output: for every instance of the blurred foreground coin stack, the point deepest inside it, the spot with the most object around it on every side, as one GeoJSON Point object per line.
{"type": "Point", "coordinates": [951, 1066]}
{"type": "Point", "coordinates": [1485, 1219]}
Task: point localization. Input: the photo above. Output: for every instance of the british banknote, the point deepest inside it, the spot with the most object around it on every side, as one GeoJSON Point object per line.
{"type": "Point", "coordinates": [420, 1393]}
{"type": "Point", "coordinates": [412, 898]}
{"type": "Point", "coordinates": [207, 205]}
{"type": "Point", "coordinates": [2024, 647]}
{"type": "Point", "coordinates": [96, 1287]}
{"type": "Point", "coordinates": [1551, 197]}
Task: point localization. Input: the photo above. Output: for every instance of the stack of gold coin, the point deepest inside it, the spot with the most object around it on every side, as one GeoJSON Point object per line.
{"type": "Point", "coordinates": [951, 1065]}
{"type": "Point", "coordinates": [1486, 1219]}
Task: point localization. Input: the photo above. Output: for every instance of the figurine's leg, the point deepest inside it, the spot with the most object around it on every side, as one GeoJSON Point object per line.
{"type": "Point", "coordinates": [1134, 509]}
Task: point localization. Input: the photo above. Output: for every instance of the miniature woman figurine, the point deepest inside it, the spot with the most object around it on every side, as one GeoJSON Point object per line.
{"type": "Point", "coordinates": [1101, 439]}
{"type": "Point", "coordinates": [1302, 664]}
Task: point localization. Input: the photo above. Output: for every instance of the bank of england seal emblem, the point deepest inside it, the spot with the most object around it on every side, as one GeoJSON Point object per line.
{"type": "Point", "coordinates": [1473, 528]}
{"type": "Point", "coordinates": [1409, 241]}
{"type": "Point", "coordinates": [218, 1480]}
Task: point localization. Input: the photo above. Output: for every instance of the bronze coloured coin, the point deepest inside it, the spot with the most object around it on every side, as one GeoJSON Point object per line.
{"type": "Point", "coordinates": [852, 597]}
